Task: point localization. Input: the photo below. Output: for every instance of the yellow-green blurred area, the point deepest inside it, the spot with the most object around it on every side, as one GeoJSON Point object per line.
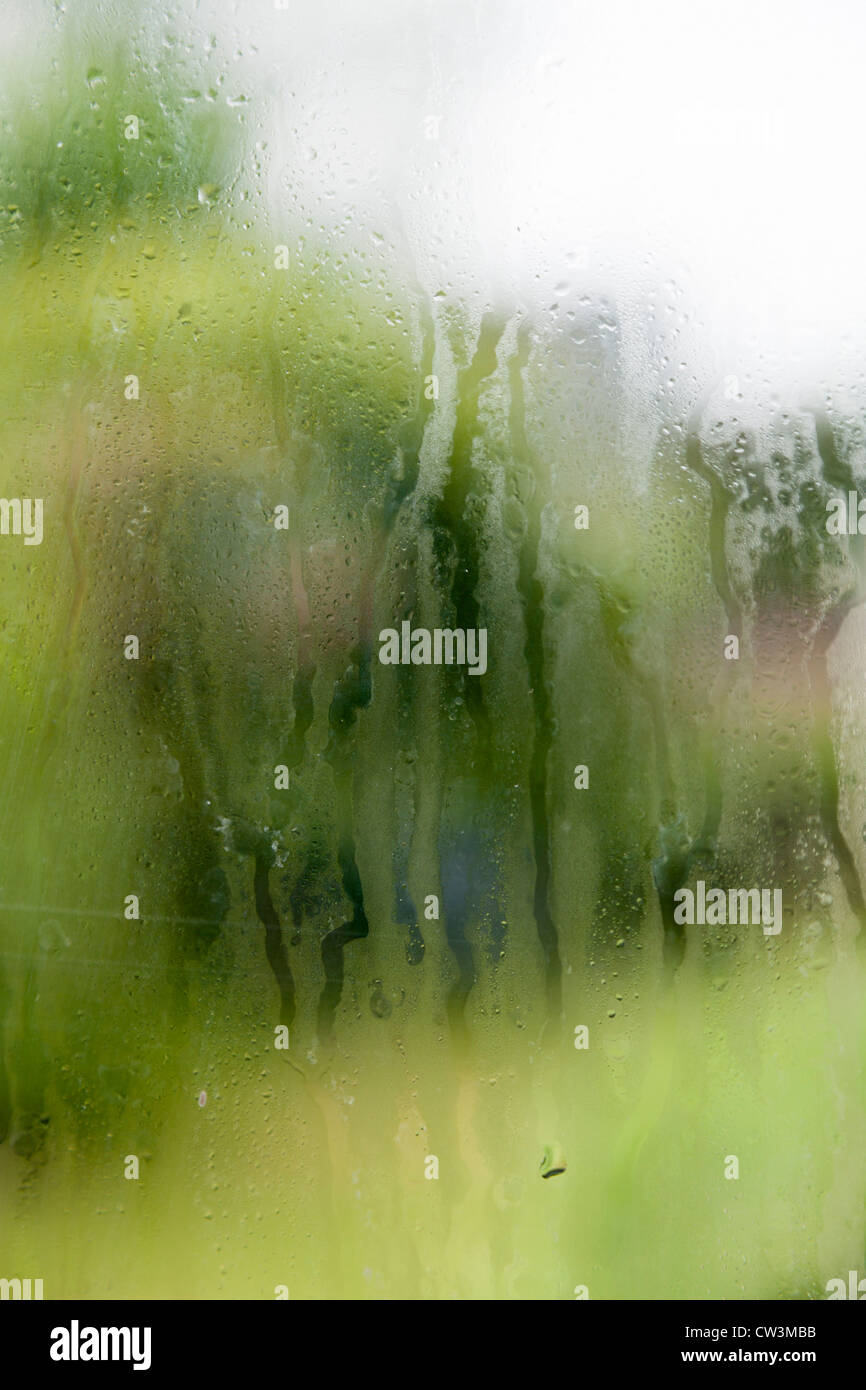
{"type": "Point", "coordinates": [260, 440]}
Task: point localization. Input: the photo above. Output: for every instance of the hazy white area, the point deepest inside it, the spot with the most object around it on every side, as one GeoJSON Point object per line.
{"type": "Point", "coordinates": [699, 164]}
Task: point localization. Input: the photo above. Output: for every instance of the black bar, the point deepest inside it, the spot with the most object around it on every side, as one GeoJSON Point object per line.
{"type": "Point", "coordinates": [211, 1337]}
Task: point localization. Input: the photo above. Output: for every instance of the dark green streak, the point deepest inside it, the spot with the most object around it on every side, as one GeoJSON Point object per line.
{"type": "Point", "coordinates": [274, 946]}
{"type": "Point", "coordinates": [457, 537]}
{"type": "Point", "coordinates": [351, 693]}
{"type": "Point", "coordinates": [457, 514]}
{"type": "Point", "coordinates": [354, 929]}
{"type": "Point", "coordinates": [532, 597]}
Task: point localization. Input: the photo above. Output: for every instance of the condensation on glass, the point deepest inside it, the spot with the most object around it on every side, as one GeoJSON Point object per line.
{"type": "Point", "coordinates": [334, 956]}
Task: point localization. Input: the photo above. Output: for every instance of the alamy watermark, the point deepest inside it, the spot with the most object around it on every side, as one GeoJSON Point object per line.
{"type": "Point", "coordinates": [443, 646]}
{"type": "Point", "coordinates": [846, 516]}
{"type": "Point", "coordinates": [21, 1289]}
{"type": "Point", "coordinates": [856, 1288]}
{"type": "Point", "coordinates": [22, 516]}
{"type": "Point", "coordinates": [739, 906]}
{"type": "Point", "coordinates": [75, 1343]}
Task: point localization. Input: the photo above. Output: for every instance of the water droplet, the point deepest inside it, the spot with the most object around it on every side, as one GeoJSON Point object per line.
{"type": "Point", "coordinates": [553, 1161]}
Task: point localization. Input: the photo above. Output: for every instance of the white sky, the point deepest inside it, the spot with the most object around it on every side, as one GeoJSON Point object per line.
{"type": "Point", "coordinates": [712, 153]}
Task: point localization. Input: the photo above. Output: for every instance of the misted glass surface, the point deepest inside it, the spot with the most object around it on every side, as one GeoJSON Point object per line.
{"type": "Point", "coordinates": [432, 708]}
